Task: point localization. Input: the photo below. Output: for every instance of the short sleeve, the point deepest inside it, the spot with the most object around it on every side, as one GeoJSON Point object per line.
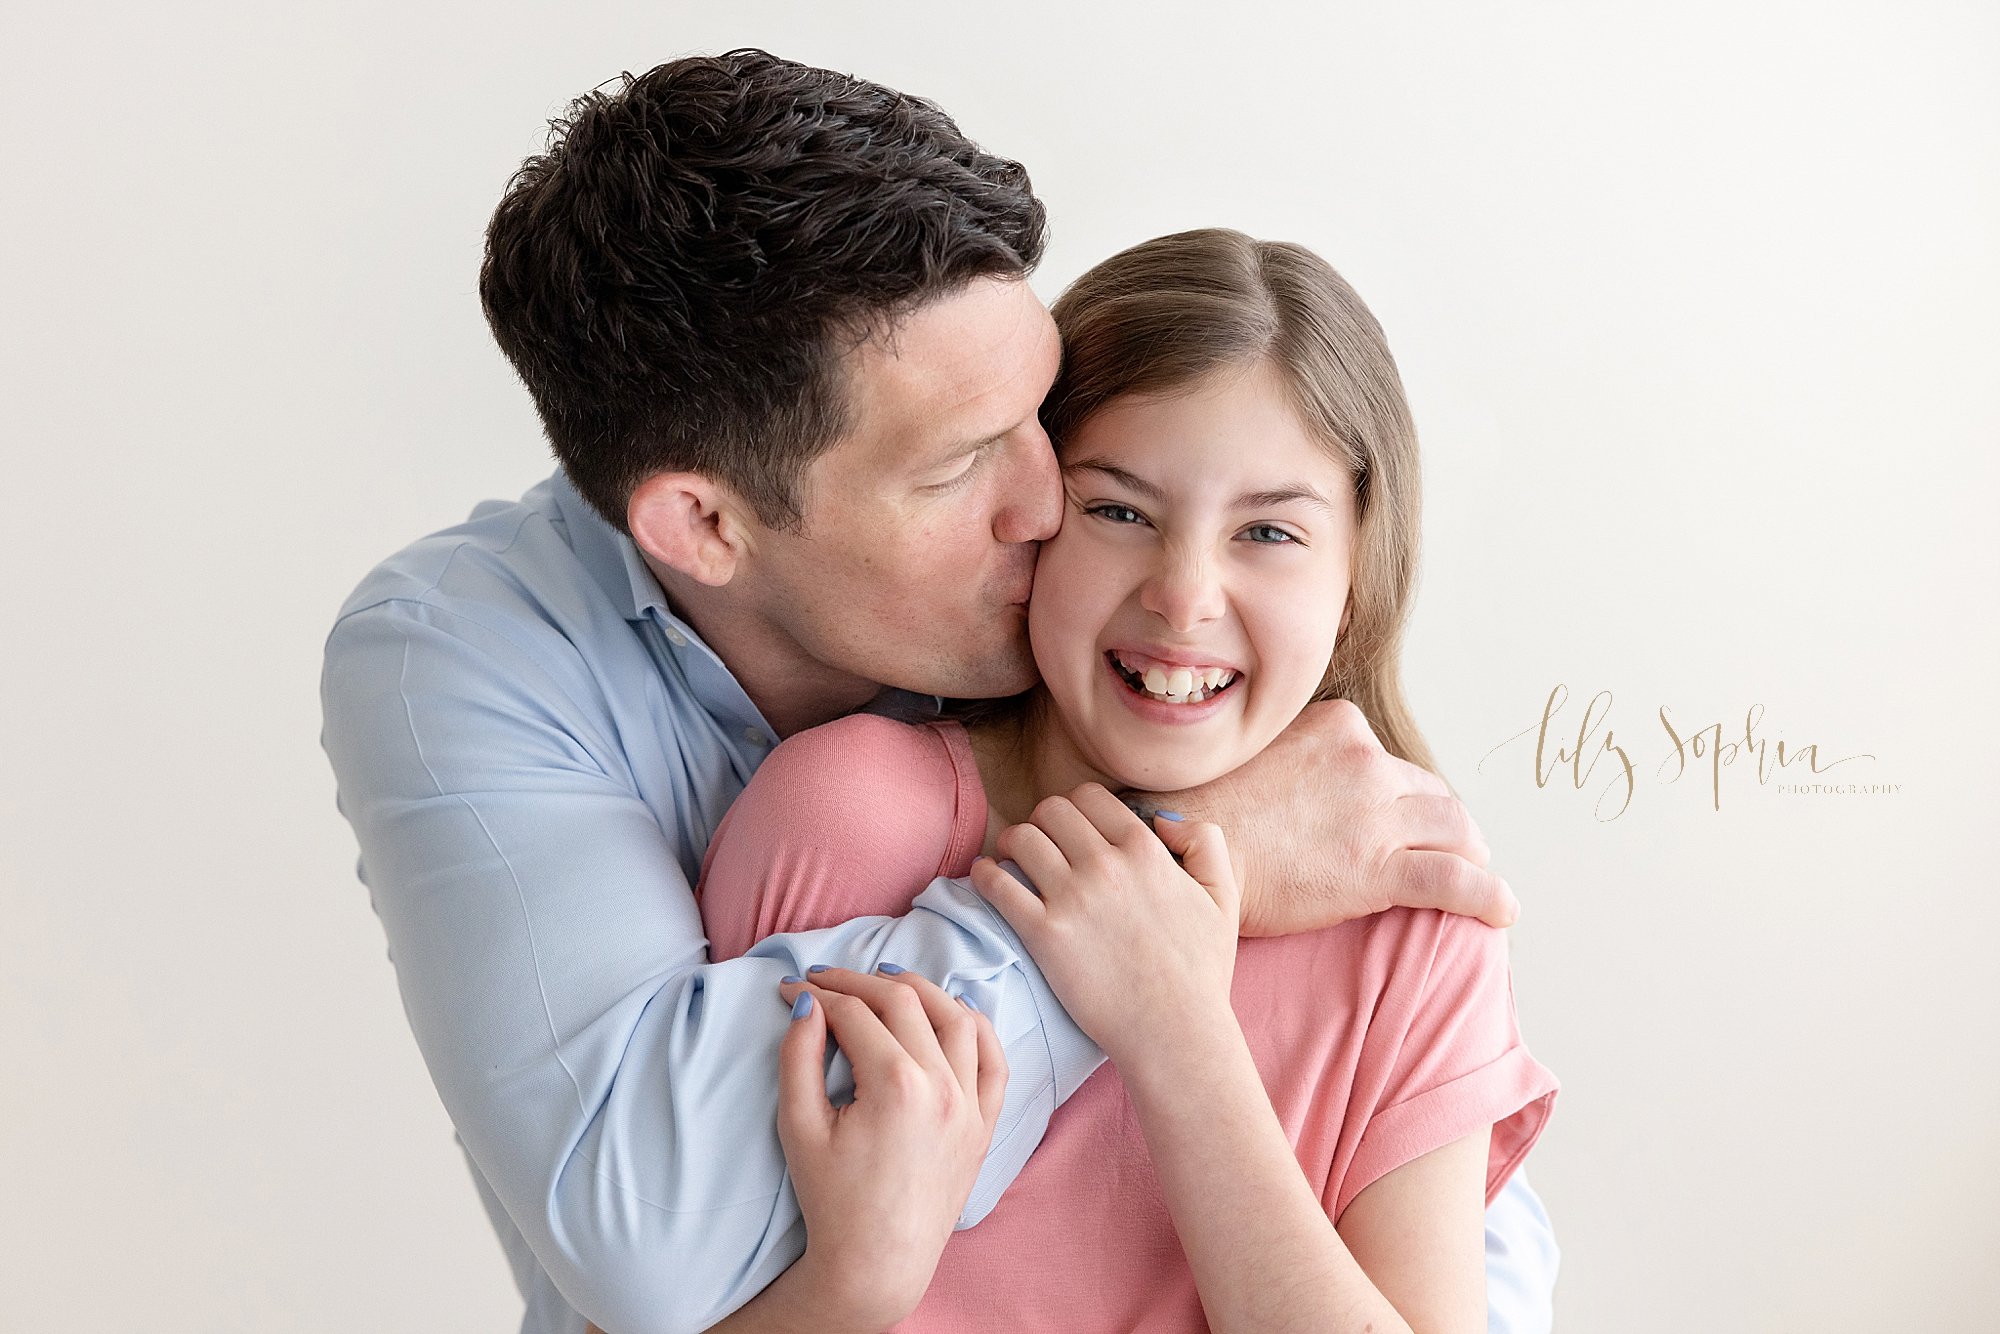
{"type": "Point", "coordinates": [1443, 1055]}
{"type": "Point", "coordinates": [849, 819]}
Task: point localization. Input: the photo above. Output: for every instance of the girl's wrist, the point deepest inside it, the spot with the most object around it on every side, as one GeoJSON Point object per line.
{"type": "Point", "coordinates": [832, 1294]}
{"type": "Point", "coordinates": [1189, 1051]}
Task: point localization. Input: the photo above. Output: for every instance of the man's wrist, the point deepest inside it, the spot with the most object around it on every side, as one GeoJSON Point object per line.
{"type": "Point", "coordinates": [1252, 887]}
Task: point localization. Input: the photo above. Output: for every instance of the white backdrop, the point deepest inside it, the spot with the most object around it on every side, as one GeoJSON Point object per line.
{"type": "Point", "coordinates": [1697, 310]}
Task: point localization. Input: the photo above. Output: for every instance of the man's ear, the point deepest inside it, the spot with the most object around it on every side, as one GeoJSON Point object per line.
{"type": "Point", "coordinates": [689, 523]}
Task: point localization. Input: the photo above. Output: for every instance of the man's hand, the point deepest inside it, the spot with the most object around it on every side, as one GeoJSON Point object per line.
{"type": "Point", "coordinates": [1328, 827]}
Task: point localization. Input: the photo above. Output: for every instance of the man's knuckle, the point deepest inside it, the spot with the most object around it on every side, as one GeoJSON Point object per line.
{"type": "Point", "coordinates": [1460, 882]}
{"type": "Point", "coordinates": [1418, 875]}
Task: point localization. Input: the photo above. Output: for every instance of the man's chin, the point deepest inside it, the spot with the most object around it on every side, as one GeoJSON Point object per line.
{"type": "Point", "coordinates": [985, 678]}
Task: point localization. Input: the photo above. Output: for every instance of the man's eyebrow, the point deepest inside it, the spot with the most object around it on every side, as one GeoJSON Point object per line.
{"type": "Point", "coordinates": [1249, 500]}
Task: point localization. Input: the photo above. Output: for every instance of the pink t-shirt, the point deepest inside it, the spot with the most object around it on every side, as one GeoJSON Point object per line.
{"type": "Point", "coordinates": [1378, 1040]}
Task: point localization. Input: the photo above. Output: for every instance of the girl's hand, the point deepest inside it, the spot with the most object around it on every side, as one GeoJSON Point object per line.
{"type": "Point", "coordinates": [1135, 945]}
{"type": "Point", "coordinates": [882, 1180]}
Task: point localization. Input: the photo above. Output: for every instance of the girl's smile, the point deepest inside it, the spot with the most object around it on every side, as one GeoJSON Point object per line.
{"type": "Point", "coordinates": [1189, 606]}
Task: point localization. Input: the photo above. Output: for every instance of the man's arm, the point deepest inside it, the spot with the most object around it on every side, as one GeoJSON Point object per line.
{"type": "Point", "coordinates": [1328, 826]}
{"type": "Point", "coordinates": [1521, 1261]}
{"type": "Point", "coordinates": [617, 1090]}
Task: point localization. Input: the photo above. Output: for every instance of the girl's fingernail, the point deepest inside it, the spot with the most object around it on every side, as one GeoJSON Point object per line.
{"type": "Point", "coordinates": [803, 1006]}
{"type": "Point", "coordinates": [966, 1001]}
{"type": "Point", "coordinates": [1175, 816]}
{"type": "Point", "coordinates": [892, 969]}
{"type": "Point", "coordinates": [819, 968]}
{"type": "Point", "coordinates": [790, 977]}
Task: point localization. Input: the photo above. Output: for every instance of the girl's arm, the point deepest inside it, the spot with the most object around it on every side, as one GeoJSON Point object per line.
{"type": "Point", "coordinates": [1409, 1254]}
{"type": "Point", "coordinates": [1142, 950]}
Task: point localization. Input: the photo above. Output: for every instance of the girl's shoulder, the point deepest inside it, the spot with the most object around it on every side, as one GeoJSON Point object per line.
{"type": "Point", "coordinates": [1399, 958]}
{"type": "Point", "coordinates": [856, 736]}
{"type": "Point", "coordinates": [1427, 955]}
{"type": "Point", "coordinates": [864, 766]}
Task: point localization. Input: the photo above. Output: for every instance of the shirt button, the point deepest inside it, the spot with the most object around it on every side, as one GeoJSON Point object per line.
{"type": "Point", "coordinates": [676, 638]}
{"type": "Point", "coordinates": [754, 737]}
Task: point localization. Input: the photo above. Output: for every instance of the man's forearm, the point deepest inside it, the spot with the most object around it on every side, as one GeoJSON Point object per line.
{"type": "Point", "coordinates": [616, 1091]}
{"type": "Point", "coordinates": [668, 1201]}
{"type": "Point", "coordinates": [955, 938]}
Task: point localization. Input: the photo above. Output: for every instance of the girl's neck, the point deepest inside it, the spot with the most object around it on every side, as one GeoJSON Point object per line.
{"type": "Point", "coordinates": [1024, 755]}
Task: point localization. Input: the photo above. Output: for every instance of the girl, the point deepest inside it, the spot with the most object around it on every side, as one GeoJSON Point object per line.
{"type": "Point", "coordinates": [1299, 1131]}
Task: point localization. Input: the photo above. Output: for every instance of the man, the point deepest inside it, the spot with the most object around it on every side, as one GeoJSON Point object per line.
{"type": "Point", "coordinates": [776, 325]}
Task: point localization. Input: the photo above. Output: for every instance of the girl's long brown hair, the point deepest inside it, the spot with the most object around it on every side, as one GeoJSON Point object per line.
{"type": "Point", "coordinates": [1165, 314]}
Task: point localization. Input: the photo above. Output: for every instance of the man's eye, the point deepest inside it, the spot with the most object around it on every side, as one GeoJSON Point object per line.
{"type": "Point", "coordinates": [958, 478]}
{"type": "Point", "coordinates": [1115, 513]}
{"type": "Point", "coordinates": [1268, 533]}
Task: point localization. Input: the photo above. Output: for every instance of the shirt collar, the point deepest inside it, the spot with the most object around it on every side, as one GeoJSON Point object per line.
{"type": "Point", "coordinates": [612, 558]}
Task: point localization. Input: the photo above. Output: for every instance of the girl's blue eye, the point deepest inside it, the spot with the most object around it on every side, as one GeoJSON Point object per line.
{"type": "Point", "coordinates": [1116, 513]}
{"type": "Point", "coordinates": [1272, 534]}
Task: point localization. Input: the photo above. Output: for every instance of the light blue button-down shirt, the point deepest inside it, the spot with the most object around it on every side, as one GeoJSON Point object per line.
{"type": "Point", "coordinates": [534, 751]}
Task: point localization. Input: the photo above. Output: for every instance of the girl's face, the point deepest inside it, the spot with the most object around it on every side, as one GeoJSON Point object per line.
{"type": "Point", "coordinates": [1188, 608]}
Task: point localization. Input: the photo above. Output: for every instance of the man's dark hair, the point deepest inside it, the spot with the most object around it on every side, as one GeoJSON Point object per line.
{"type": "Point", "coordinates": [679, 277]}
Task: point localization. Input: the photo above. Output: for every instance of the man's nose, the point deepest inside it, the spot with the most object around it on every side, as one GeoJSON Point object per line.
{"type": "Point", "coordinates": [1031, 509]}
{"type": "Point", "coordinates": [1185, 591]}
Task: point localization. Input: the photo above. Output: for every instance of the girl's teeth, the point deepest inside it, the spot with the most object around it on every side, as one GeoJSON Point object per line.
{"type": "Point", "coordinates": [1182, 685]}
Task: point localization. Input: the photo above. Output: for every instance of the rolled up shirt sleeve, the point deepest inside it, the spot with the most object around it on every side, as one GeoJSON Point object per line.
{"type": "Point", "coordinates": [616, 1091]}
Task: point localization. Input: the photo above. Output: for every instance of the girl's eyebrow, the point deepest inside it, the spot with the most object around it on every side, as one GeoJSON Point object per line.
{"type": "Point", "coordinates": [1249, 500]}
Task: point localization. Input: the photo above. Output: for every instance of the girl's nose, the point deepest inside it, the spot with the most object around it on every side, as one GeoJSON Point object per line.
{"type": "Point", "coordinates": [1184, 592]}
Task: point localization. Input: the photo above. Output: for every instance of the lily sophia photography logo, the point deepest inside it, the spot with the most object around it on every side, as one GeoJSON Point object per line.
{"type": "Point", "coordinates": [1595, 754]}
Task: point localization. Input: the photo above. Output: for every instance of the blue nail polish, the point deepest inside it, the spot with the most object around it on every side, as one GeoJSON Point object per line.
{"type": "Point", "coordinates": [892, 969]}
{"type": "Point", "coordinates": [790, 977]}
{"type": "Point", "coordinates": [803, 1006]}
{"type": "Point", "coordinates": [819, 968]}
{"type": "Point", "coordinates": [1175, 816]}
